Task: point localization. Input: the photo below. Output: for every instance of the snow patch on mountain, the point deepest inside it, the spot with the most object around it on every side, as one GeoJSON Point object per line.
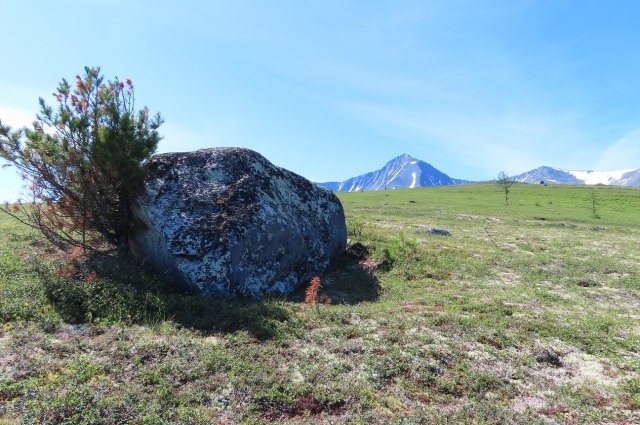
{"type": "Point", "coordinates": [599, 177]}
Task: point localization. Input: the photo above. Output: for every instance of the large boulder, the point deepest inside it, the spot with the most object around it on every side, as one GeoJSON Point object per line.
{"type": "Point", "coordinates": [230, 223]}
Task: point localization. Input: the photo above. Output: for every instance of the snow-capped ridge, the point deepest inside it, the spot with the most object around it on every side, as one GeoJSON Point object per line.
{"type": "Point", "coordinates": [628, 177]}
{"type": "Point", "coordinates": [599, 177]}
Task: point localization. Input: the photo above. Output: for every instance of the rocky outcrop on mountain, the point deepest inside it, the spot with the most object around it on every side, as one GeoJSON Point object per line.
{"type": "Point", "coordinates": [401, 172]}
{"type": "Point", "coordinates": [629, 178]}
{"type": "Point", "coordinates": [227, 221]}
{"type": "Point", "coordinates": [548, 175]}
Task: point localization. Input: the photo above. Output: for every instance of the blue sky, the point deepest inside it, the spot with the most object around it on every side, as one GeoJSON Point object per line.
{"type": "Point", "coordinates": [331, 89]}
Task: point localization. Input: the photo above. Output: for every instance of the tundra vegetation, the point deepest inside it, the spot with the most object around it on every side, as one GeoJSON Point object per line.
{"type": "Point", "coordinates": [523, 315]}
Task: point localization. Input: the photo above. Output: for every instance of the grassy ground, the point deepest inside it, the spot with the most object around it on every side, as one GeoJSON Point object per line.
{"type": "Point", "coordinates": [527, 313]}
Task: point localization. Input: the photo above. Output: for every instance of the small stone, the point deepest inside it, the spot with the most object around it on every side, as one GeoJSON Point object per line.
{"type": "Point", "coordinates": [357, 251]}
{"type": "Point", "coordinates": [586, 283]}
{"type": "Point", "coordinates": [439, 232]}
{"type": "Point", "coordinates": [550, 357]}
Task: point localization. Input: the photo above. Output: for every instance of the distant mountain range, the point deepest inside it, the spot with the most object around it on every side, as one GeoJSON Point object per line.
{"type": "Point", "coordinates": [403, 171]}
{"type": "Point", "coordinates": [559, 176]}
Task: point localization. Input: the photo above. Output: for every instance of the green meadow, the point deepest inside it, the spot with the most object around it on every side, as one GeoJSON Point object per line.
{"type": "Point", "coordinates": [527, 313]}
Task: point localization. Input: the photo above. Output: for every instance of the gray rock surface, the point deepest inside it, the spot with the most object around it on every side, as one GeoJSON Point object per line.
{"type": "Point", "coordinates": [230, 223]}
{"type": "Point", "coordinates": [439, 232]}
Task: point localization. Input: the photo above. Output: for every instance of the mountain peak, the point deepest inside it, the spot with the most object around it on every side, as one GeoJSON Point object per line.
{"type": "Point", "coordinates": [403, 171]}
{"type": "Point", "coordinates": [401, 160]}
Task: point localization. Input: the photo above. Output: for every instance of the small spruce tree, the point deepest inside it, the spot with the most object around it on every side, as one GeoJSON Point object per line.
{"type": "Point", "coordinates": [83, 162]}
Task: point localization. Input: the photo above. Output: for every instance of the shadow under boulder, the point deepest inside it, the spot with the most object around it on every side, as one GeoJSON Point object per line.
{"type": "Point", "coordinates": [349, 281]}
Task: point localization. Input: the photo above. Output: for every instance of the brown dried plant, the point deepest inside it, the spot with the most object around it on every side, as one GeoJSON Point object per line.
{"type": "Point", "coordinates": [311, 294]}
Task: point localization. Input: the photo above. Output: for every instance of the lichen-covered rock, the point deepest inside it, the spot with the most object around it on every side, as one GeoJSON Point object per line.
{"type": "Point", "coordinates": [230, 223]}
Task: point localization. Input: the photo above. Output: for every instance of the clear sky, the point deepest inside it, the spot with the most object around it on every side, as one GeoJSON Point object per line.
{"type": "Point", "coordinates": [331, 89]}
